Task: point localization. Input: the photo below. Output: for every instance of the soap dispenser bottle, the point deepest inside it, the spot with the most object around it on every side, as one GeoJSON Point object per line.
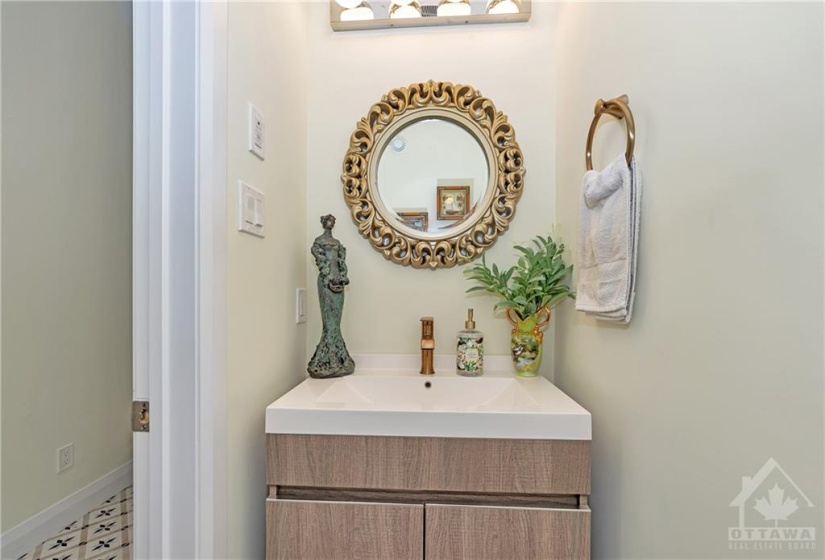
{"type": "Point", "coordinates": [469, 357]}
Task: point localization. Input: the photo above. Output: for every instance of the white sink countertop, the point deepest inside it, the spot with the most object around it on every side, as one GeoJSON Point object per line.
{"type": "Point", "coordinates": [386, 396]}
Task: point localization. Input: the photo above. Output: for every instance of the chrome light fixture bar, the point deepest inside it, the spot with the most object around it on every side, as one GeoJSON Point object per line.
{"type": "Point", "coordinates": [353, 15]}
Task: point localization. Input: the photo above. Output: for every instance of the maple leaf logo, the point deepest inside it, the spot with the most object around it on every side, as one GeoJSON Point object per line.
{"type": "Point", "coordinates": [777, 506]}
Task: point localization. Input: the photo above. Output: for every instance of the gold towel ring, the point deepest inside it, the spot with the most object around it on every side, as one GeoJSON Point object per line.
{"type": "Point", "coordinates": [619, 109]}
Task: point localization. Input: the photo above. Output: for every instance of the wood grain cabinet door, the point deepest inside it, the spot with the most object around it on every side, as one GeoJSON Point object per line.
{"type": "Point", "coordinates": [456, 532]}
{"type": "Point", "coordinates": [315, 530]}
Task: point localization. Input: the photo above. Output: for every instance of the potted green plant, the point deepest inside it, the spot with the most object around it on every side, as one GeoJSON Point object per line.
{"type": "Point", "coordinates": [528, 290]}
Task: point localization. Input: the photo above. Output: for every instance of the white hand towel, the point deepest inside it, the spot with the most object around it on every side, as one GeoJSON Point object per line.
{"type": "Point", "coordinates": [609, 241]}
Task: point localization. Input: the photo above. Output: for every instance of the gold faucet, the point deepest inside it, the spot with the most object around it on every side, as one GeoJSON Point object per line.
{"type": "Point", "coordinates": [427, 346]}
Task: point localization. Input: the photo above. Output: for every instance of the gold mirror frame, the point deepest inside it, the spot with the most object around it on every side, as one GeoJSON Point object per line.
{"type": "Point", "coordinates": [460, 104]}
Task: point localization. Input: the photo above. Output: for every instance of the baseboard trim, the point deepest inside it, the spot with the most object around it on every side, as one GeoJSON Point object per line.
{"type": "Point", "coordinates": [24, 537]}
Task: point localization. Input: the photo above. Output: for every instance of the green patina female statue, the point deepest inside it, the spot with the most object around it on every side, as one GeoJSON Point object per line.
{"type": "Point", "coordinates": [331, 358]}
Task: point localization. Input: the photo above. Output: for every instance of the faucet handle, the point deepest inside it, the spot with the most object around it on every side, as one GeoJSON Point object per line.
{"type": "Point", "coordinates": [427, 327]}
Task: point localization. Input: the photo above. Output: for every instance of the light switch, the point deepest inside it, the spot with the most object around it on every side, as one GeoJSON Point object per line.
{"type": "Point", "coordinates": [257, 132]}
{"type": "Point", "coordinates": [250, 210]}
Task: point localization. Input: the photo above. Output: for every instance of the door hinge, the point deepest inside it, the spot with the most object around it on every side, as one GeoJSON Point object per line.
{"type": "Point", "coordinates": [140, 416]}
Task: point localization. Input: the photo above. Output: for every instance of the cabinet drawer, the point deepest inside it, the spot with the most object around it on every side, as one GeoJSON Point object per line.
{"type": "Point", "coordinates": [305, 530]}
{"type": "Point", "coordinates": [454, 532]}
{"type": "Point", "coordinates": [430, 464]}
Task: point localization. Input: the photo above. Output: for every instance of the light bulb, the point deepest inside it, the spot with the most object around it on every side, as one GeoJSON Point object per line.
{"type": "Point", "coordinates": [348, 4]}
{"type": "Point", "coordinates": [411, 10]}
{"type": "Point", "coordinates": [361, 12]}
{"type": "Point", "coordinates": [503, 7]}
{"type": "Point", "coordinates": [454, 8]}
{"type": "Point", "coordinates": [401, 2]}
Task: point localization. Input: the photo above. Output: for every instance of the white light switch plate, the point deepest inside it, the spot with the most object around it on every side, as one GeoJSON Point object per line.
{"type": "Point", "coordinates": [257, 132]}
{"type": "Point", "coordinates": [250, 210]}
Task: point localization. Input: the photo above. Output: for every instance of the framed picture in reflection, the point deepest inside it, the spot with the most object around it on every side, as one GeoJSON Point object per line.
{"type": "Point", "coordinates": [415, 219]}
{"type": "Point", "coordinates": [452, 202]}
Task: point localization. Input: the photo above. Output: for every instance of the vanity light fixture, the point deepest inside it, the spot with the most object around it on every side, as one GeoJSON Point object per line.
{"type": "Point", "coordinates": [354, 15]}
{"type": "Point", "coordinates": [406, 10]}
{"type": "Point", "coordinates": [454, 8]}
{"type": "Point", "coordinates": [500, 7]}
{"type": "Point", "coordinates": [360, 12]}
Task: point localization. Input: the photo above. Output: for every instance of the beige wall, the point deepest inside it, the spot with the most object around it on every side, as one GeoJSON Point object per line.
{"type": "Point", "coordinates": [66, 249]}
{"type": "Point", "coordinates": [511, 64]}
{"type": "Point", "coordinates": [722, 366]}
{"type": "Point", "coordinates": [265, 348]}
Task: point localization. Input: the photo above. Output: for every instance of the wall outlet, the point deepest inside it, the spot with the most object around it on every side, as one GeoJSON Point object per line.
{"type": "Point", "coordinates": [65, 458]}
{"type": "Point", "coordinates": [301, 305]}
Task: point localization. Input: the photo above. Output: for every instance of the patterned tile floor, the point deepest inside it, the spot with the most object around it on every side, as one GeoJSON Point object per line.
{"type": "Point", "coordinates": [102, 534]}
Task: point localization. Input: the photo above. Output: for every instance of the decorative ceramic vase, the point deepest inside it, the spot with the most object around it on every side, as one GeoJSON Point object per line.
{"type": "Point", "coordinates": [526, 341]}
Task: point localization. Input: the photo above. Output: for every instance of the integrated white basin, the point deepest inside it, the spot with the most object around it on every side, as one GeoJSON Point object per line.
{"type": "Point", "coordinates": [421, 393]}
{"type": "Point", "coordinates": [394, 401]}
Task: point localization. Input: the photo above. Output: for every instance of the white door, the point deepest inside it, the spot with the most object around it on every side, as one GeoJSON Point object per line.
{"type": "Point", "coordinates": [179, 228]}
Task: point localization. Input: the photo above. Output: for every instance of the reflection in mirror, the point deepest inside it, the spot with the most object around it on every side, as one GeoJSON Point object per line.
{"type": "Point", "coordinates": [432, 175]}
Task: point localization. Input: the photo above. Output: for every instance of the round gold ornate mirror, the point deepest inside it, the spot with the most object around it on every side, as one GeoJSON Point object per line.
{"type": "Point", "coordinates": [433, 174]}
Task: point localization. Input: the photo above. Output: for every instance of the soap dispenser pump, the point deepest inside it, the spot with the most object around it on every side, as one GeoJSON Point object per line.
{"type": "Point", "coordinates": [469, 357]}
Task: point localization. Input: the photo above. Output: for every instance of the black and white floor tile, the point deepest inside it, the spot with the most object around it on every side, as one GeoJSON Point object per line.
{"type": "Point", "coordinates": [102, 534]}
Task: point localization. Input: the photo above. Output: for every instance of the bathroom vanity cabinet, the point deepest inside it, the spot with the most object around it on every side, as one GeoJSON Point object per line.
{"type": "Point", "coordinates": [388, 497]}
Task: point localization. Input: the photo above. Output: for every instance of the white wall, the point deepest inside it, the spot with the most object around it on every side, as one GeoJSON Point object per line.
{"type": "Point", "coordinates": [265, 348]}
{"type": "Point", "coordinates": [512, 65]}
{"type": "Point", "coordinates": [67, 195]}
{"type": "Point", "coordinates": [722, 366]}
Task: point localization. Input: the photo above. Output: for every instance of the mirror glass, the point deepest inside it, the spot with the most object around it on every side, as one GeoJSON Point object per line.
{"type": "Point", "coordinates": [432, 175]}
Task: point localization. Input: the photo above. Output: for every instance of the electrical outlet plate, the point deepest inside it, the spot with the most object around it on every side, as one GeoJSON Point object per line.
{"type": "Point", "coordinates": [301, 305]}
{"type": "Point", "coordinates": [65, 458]}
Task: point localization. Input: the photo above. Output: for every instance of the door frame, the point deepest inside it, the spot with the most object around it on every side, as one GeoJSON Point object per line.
{"type": "Point", "coordinates": [179, 275]}
{"type": "Point", "coordinates": [211, 274]}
